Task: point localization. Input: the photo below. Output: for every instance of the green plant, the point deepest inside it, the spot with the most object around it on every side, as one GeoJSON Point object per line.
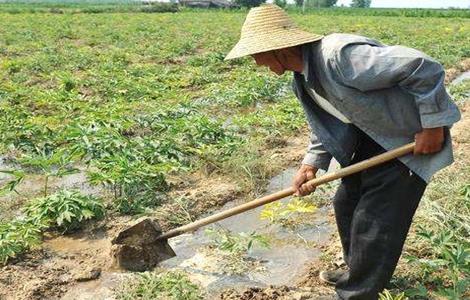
{"type": "Point", "coordinates": [281, 3]}
{"type": "Point", "coordinates": [465, 191]}
{"type": "Point", "coordinates": [131, 181]}
{"type": "Point", "coordinates": [12, 184]}
{"type": "Point", "coordinates": [387, 295]}
{"type": "Point", "coordinates": [168, 285]}
{"type": "Point", "coordinates": [236, 242]}
{"type": "Point", "coordinates": [288, 213]}
{"type": "Point", "coordinates": [361, 3]}
{"type": "Point", "coordinates": [249, 3]}
{"type": "Point", "coordinates": [460, 92]}
{"type": "Point", "coordinates": [135, 206]}
{"type": "Point", "coordinates": [448, 257]}
{"type": "Point", "coordinates": [65, 210]}
{"type": "Point", "coordinates": [18, 236]}
{"type": "Point", "coordinates": [50, 164]}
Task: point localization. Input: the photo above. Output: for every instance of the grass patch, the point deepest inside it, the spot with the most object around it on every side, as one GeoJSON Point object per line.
{"type": "Point", "coordinates": [460, 92]}
{"type": "Point", "coordinates": [168, 285]}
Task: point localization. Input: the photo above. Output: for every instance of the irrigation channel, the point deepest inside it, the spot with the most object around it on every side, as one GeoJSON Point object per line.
{"type": "Point", "coordinates": [279, 264]}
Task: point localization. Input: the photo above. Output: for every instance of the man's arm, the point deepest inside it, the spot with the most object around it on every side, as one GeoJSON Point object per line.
{"type": "Point", "coordinates": [367, 68]}
{"type": "Point", "coordinates": [316, 158]}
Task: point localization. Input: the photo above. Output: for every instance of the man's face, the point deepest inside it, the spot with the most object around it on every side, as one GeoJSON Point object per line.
{"type": "Point", "coordinates": [269, 60]}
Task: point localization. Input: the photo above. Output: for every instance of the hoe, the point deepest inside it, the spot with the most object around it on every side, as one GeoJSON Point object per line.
{"type": "Point", "coordinates": [143, 245]}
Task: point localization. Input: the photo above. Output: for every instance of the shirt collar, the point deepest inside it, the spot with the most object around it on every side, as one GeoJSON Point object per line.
{"type": "Point", "coordinates": [307, 53]}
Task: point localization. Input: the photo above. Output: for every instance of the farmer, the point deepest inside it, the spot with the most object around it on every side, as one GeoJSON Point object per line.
{"type": "Point", "coordinates": [361, 98]}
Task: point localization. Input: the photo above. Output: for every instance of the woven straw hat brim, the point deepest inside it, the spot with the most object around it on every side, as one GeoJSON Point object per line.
{"type": "Point", "coordinates": [267, 28]}
{"type": "Point", "coordinates": [279, 39]}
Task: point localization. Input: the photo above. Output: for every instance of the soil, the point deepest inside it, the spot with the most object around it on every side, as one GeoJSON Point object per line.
{"type": "Point", "coordinates": [331, 253]}
{"type": "Point", "coordinates": [454, 72]}
{"type": "Point", "coordinates": [62, 263]}
{"type": "Point", "coordinates": [279, 293]}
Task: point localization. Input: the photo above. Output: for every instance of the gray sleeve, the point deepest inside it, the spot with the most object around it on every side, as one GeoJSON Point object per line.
{"type": "Point", "coordinates": [316, 155]}
{"type": "Point", "coordinates": [367, 68]}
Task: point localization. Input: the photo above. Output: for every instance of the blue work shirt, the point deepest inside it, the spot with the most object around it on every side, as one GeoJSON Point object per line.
{"type": "Point", "coordinates": [389, 92]}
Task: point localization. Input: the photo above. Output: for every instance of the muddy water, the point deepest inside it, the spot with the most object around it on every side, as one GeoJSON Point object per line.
{"type": "Point", "coordinates": [279, 264]}
{"type": "Point", "coordinates": [462, 77]}
{"type": "Point", "coordinates": [289, 252]}
{"type": "Point", "coordinates": [33, 186]}
{"type": "Point", "coordinates": [85, 252]}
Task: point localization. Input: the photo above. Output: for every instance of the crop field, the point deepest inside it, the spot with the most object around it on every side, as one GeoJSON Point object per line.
{"type": "Point", "coordinates": [106, 117]}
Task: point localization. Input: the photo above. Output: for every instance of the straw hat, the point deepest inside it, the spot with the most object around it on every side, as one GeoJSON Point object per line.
{"type": "Point", "coordinates": [266, 28]}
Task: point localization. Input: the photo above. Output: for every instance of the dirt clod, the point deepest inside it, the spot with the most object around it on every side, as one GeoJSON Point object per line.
{"type": "Point", "coordinates": [88, 274]}
{"type": "Point", "coordinates": [256, 293]}
{"type": "Point", "coordinates": [136, 248]}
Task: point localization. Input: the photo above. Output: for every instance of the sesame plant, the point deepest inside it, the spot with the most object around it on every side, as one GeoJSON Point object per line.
{"type": "Point", "coordinates": [387, 295]}
{"type": "Point", "coordinates": [236, 242]}
{"type": "Point", "coordinates": [440, 257]}
{"type": "Point", "coordinates": [141, 100]}
{"type": "Point", "coordinates": [65, 210]}
{"type": "Point", "coordinates": [10, 186]}
{"type": "Point", "coordinates": [18, 236]}
{"type": "Point", "coordinates": [287, 214]}
{"type": "Point", "coordinates": [49, 164]}
{"type": "Point", "coordinates": [447, 265]}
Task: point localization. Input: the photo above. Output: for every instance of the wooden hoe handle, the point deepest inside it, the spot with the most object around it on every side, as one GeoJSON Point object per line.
{"type": "Point", "coordinates": [360, 166]}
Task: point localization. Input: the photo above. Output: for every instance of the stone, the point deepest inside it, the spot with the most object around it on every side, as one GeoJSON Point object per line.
{"type": "Point", "coordinates": [302, 296]}
{"type": "Point", "coordinates": [88, 274]}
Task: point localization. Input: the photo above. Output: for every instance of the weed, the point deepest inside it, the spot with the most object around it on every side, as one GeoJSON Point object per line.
{"type": "Point", "coordinates": [287, 214]}
{"type": "Point", "coordinates": [176, 214]}
{"type": "Point", "coordinates": [387, 295]}
{"type": "Point", "coordinates": [236, 263]}
{"type": "Point", "coordinates": [168, 285]}
{"type": "Point", "coordinates": [236, 243]}
{"type": "Point", "coordinates": [460, 92]}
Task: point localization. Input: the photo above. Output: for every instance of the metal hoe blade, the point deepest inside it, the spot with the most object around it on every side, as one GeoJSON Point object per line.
{"type": "Point", "coordinates": [138, 248]}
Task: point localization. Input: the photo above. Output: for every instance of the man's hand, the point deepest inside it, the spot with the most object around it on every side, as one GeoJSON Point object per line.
{"type": "Point", "coordinates": [305, 173]}
{"type": "Point", "coordinates": [429, 140]}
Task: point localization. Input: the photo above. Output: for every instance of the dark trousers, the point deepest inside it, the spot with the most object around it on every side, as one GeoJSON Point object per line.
{"type": "Point", "coordinates": [374, 210]}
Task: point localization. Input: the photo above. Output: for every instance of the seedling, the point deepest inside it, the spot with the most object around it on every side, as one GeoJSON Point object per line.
{"type": "Point", "coordinates": [65, 210]}
{"type": "Point", "coordinates": [50, 164]}
{"type": "Point", "coordinates": [168, 285]}
{"type": "Point", "coordinates": [236, 242]}
{"type": "Point", "coordinates": [288, 214]}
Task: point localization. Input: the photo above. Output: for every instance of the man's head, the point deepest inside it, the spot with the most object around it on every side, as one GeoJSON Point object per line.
{"type": "Point", "coordinates": [281, 60]}
{"type": "Point", "coordinates": [270, 34]}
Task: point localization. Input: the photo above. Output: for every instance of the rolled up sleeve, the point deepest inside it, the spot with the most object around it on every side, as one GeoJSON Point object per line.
{"type": "Point", "coordinates": [316, 155]}
{"type": "Point", "coordinates": [369, 68]}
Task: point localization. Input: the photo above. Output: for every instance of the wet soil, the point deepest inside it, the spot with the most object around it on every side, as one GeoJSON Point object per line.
{"type": "Point", "coordinates": [77, 266]}
{"type": "Point", "coordinates": [279, 264]}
